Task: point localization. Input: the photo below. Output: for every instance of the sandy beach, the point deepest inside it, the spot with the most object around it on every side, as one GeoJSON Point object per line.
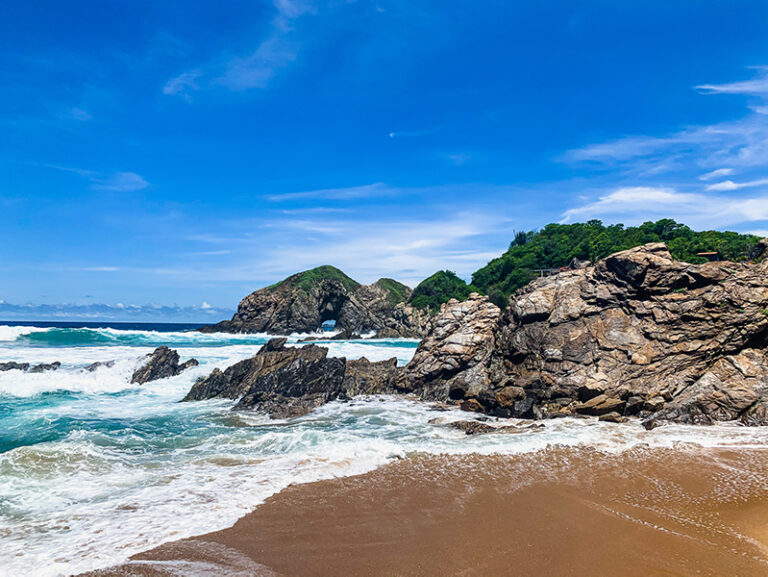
{"type": "Point", "coordinates": [687, 511]}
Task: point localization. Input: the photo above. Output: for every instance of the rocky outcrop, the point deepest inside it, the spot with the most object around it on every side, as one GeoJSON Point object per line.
{"type": "Point", "coordinates": [637, 334]}
{"type": "Point", "coordinates": [302, 302]}
{"type": "Point", "coordinates": [26, 367]}
{"type": "Point", "coordinates": [161, 364]}
{"type": "Point", "coordinates": [288, 382]}
{"type": "Point", "coordinates": [453, 361]}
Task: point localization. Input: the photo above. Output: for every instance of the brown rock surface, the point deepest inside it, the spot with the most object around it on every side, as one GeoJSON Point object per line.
{"type": "Point", "coordinates": [683, 341]}
{"type": "Point", "coordinates": [302, 302]}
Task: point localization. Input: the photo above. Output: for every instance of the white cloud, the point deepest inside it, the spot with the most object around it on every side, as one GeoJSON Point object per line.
{"type": "Point", "coordinates": [121, 182]}
{"type": "Point", "coordinates": [78, 114]}
{"type": "Point", "coordinates": [406, 249]}
{"type": "Point", "coordinates": [740, 143]}
{"type": "Point", "coordinates": [275, 51]}
{"type": "Point", "coordinates": [730, 185]}
{"type": "Point", "coordinates": [346, 193]}
{"type": "Point", "coordinates": [755, 86]}
{"type": "Point", "coordinates": [719, 173]}
{"type": "Point", "coordinates": [459, 158]}
{"type": "Point", "coordinates": [183, 83]}
{"type": "Point", "coordinates": [205, 306]}
{"type": "Point", "coordinates": [117, 182]}
{"type": "Point", "coordinates": [637, 204]}
{"type": "Point", "coordinates": [257, 69]}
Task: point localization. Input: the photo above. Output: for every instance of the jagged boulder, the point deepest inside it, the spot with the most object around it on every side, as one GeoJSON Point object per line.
{"type": "Point", "coordinates": [453, 360]}
{"type": "Point", "coordinates": [161, 364]}
{"type": "Point", "coordinates": [362, 377]}
{"type": "Point", "coordinates": [291, 381]}
{"type": "Point", "coordinates": [638, 333]}
{"type": "Point", "coordinates": [302, 302]}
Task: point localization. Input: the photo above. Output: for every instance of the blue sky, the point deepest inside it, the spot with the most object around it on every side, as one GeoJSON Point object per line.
{"type": "Point", "coordinates": [187, 153]}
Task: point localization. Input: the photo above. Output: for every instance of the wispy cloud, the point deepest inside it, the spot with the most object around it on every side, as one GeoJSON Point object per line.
{"type": "Point", "coordinates": [730, 185]}
{"type": "Point", "coordinates": [183, 84]}
{"type": "Point", "coordinates": [78, 114]}
{"type": "Point", "coordinates": [116, 182]}
{"type": "Point", "coordinates": [755, 86]}
{"type": "Point", "coordinates": [406, 249]}
{"type": "Point", "coordinates": [738, 144]}
{"type": "Point", "coordinates": [719, 173]}
{"type": "Point", "coordinates": [121, 182]}
{"type": "Point", "coordinates": [256, 69]}
{"type": "Point", "coordinates": [377, 189]}
{"type": "Point", "coordinates": [632, 205]}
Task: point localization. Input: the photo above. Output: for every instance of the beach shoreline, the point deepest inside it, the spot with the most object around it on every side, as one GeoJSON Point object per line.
{"type": "Point", "coordinates": [680, 511]}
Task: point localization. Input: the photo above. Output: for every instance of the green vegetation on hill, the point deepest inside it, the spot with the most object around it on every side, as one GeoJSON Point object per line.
{"type": "Point", "coordinates": [438, 289]}
{"type": "Point", "coordinates": [397, 292]}
{"type": "Point", "coordinates": [557, 244]}
{"type": "Point", "coordinates": [312, 277]}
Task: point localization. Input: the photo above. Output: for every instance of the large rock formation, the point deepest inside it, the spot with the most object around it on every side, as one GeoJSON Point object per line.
{"type": "Point", "coordinates": [291, 381]}
{"type": "Point", "coordinates": [638, 333]}
{"type": "Point", "coordinates": [302, 302]}
{"type": "Point", "coordinates": [161, 364]}
{"type": "Point", "coordinates": [453, 360]}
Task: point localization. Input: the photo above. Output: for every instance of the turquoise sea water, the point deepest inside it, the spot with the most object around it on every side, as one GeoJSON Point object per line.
{"type": "Point", "coordinates": [94, 469]}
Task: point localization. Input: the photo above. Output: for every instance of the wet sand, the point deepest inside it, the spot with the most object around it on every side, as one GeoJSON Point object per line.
{"type": "Point", "coordinates": [578, 513]}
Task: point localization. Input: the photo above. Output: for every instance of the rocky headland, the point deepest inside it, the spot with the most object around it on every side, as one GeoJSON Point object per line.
{"type": "Point", "coordinates": [303, 302]}
{"type": "Point", "coordinates": [637, 334]}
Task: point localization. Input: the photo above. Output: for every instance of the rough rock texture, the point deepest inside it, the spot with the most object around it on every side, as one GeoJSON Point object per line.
{"type": "Point", "coordinates": [638, 333]}
{"type": "Point", "coordinates": [453, 360]}
{"type": "Point", "coordinates": [302, 302]}
{"type": "Point", "coordinates": [291, 381]}
{"type": "Point", "coordinates": [162, 363]}
{"type": "Point", "coordinates": [362, 377]}
{"type": "Point", "coordinates": [26, 367]}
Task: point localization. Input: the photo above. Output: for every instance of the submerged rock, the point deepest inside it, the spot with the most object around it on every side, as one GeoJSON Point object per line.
{"type": "Point", "coordinates": [42, 367]}
{"type": "Point", "coordinates": [161, 364]}
{"type": "Point", "coordinates": [93, 366]}
{"type": "Point", "coordinates": [26, 367]}
{"type": "Point", "coordinates": [478, 428]}
{"type": "Point", "coordinates": [637, 334]}
{"type": "Point", "coordinates": [13, 366]}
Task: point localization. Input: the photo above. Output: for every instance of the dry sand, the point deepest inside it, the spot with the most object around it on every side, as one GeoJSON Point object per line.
{"type": "Point", "coordinates": [561, 512]}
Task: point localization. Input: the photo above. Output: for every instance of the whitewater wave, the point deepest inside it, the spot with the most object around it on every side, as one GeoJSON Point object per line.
{"type": "Point", "coordinates": [10, 334]}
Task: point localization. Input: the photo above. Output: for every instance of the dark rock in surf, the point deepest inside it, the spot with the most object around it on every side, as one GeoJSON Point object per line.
{"type": "Point", "coordinates": [26, 367]}
{"type": "Point", "coordinates": [14, 366]}
{"type": "Point", "coordinates": [161, 364]}
{"type": "Point", "coordinates": [287, 382]}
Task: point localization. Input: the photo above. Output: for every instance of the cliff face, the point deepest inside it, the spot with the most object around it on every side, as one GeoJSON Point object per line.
{"type": "Point", "coordinates": [638, 333]}
{"type": "Point", "coordinates": [302, 302]}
